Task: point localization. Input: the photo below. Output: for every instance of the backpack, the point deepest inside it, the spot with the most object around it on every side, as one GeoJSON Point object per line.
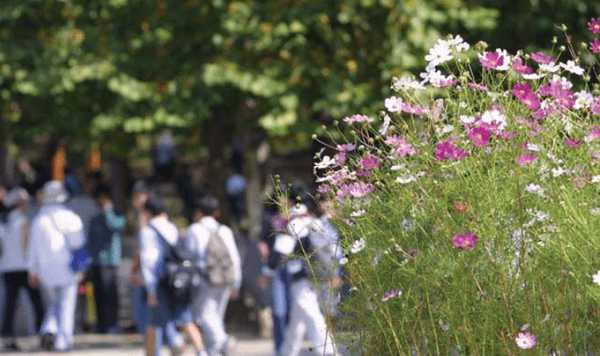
{"type": "Point", "coordinates": [181, 278]}
{"type": "Point", "coordinates": [219, 265]}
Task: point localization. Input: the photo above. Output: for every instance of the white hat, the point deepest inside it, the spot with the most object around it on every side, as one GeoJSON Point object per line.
{"type": "Point", "coordinates": [54, 192]}
{"type": "Point", "coordinates": [16, 196]}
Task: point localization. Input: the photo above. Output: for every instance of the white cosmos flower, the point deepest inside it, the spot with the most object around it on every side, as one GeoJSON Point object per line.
{"type": "Point", "coordinates": [496, 117]}
{"type": "Point", "coordinates": [405, 179]}
{"type": "Point", "coordinates": [405, 83]}
{"type": "Point", "coordinates": [533, 147]}
{"type": "Point", "coordinates": [584, 99]}
{"type": "Point", "coordinates": [439, 53]}
{"type": "Point", "coordinates": [557, 172]}
{"type": "Point", "coordinates": [572, 67]}
{"type": "Point", "coordinates": [386, 125]}
{"type": "Point", "coordinates": [596, 179]}
{"type": "Point", "coordinates": [466, 120]}
{"type": "Point", "coordinates": [536, 189]}
{"type": "Point", "coordinates": [357, 246]}
{"type": "Point", "coordinates": [358, 213]}
{"type": "Point", "coordinates": [393, 104]}
{"type": "Point", "coordinates": [533, 76]}
{"type": "Point", "coordinates": [549, 67]}
{"type": "Point", "coordinates": [326, 162]}
{"type": "Point", "coordinates": [596, 278]}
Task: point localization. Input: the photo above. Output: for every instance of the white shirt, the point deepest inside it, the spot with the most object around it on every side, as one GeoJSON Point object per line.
{"type": "Point", "coordinates": [153, 250]}
{"type": "Point", "coordinates": [12, 238]}
{"type": "Point", "coordinates": [55, 232]}
{"type": "Point", "coordinates": [200, 232]}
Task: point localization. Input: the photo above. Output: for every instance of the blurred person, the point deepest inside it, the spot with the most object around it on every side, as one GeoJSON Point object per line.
{"type": "Point", "coordinates": [171, 336]}
{"type": "Point", "coordinates": [56, 231]}
{"type": "Point", "coordinates": [211, 305]}
{"type": "Point", "coordinates": [80, 201]}
{"type": "Point", "coordinates": [281, 295]}
{"type": "Point", "coordinates": [154, 238]}
{"type": "Point", "coordinates": [306, 315]}
{"type": "Point", "coordinates": [3, 208]}
{"type": "Point", "coordinates": [13, 263]}
{"type": "Point", "coordinates": [165, 157]}
{"type": "Point", "coordinates": [104, 245]}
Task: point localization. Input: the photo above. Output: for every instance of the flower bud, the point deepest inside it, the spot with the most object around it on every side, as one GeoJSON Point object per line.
{"type": "Point", "coordinates": [562, 48]}
{"type": "Point", "coordinates": [314, 136]}
{"type": "Point", "coordinates": [563, 27]}
{"type": "Point", "coordinates": [336, 123]}
{"type": "Point", "coordinates": [554, 39]}
{"type": "Point", "coordinates": [481, 45]}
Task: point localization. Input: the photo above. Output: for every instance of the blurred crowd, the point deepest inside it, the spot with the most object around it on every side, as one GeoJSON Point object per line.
{"type": "Point", "coordinates": [59, 236]}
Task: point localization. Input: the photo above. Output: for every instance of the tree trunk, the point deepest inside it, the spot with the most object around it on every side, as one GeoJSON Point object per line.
{"type": "Point", "coordinates": [7, 162]}
{"type": "Point", "coordinates": [118, 181]}
{"type": "Point", "coordinates": [215, 172]}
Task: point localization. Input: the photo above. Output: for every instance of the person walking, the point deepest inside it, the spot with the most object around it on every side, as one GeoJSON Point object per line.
{"type": "Point", "coordinates": [104, 245]}
{"type": "Point", "coordinates": [155, 239]}
{"type": "Point", "coordinates": [13, 263]}
{"type": "Point", "coordinates": [211, 305]}
{"type": "Point", "coordinates": [306, 314]}
{"type": "Point", "coordinates": [55, 232]}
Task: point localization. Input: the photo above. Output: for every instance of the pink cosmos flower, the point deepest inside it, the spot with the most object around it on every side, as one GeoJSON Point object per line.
{"type": "Point", "coordinates": [394, 140]}
{"type": "Point", "coordinates": [595, 46]}
{"type": "Point", "coordinates": [476, 86]}
{"type": "Point", "coordinates": [445, 150]}
{"type": "Point", "coordinates": [594, 25]}
{"type": "Point", "coordinates": [491, 60]}
{"type": "Point", "coordinates": [369, 162]}
{"type": "Point", "coordinates": [389, 295]}
{"type": "Point", "coordinates": [525, 340]}
{"type": "Point", "coordinates": [346, 147]}
{"type": "Point", "coordinates": [466, 240]}
{"type": "Point", "coordinates": [594, 133]}
{"type": "Point", "coordinates": [358, 118]}
{"type": "Point", "coordinates": [508, 134]}
{"type": "Point", "coordinates": [521, 89]}
{"type": "Point", "coordinates": [595, 106]}
{"type": "Point", "coordinates": [405, 150]}
{"type": "Point", "coordinates": [520, 67]}
{"type": "Point", "coordinates": [340, 158]}
{"type": "Point", "coordinates": [573, 143]}
{"type": "Point", "coordinates": [412, 109]}
{"type": "Point", "coordinates": [323, 188]}
{"type": "Point", "coordinates": [545, 90]}
{"type": "Point", "coordinates": [531, 101]}
{"type": "Point", "coordinates": [541, 58]}
{"type": "Point", "coordinates": [362, 173]}
{"type": "Point", "coordinates": [523, 121]}
{"type": "Point", "coordinates": [480, 136]}
{"type": "Point", "coordinates": [526, 159]}
{"type": "Point", "coordinates": [360, 189]}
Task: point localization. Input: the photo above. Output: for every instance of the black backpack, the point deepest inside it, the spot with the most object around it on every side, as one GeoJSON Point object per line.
{"type": "Point", "coordinates": [181, 278]}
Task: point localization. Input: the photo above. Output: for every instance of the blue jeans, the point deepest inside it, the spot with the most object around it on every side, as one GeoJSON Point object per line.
{"type": "Point", "coordinates": [170, 336]}
{"type": "Point", "coordinates": [281, 303]}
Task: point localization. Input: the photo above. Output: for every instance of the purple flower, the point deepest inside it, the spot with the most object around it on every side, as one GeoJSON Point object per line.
{"type": "Point", "coordinates": [445, 150]}
{"type": "Point", "coordinates": [525, 340]}
{"type": "Point", "coordinates": [541, 58]}
{"type": "Point", "coordinates": [360, 189]}
{"type": "Point", "coordinates": [476, 86]}
{"type": "Point", "coordinates": [573, 143]}
{"type": "Point", "coordinates": [466, 240]}
{"type": "Point", "coordinates": [480, 136]}
{"type": "Point", "coordinates": [407, 224]}
{"type": "Point", "coordinates": [491, 60]}
{"type": "Point", "coordinates": [526, 159]}
{"type": "Point", "coordinates": [358, 118]}
{"type": "Point", "coordinates": [346, 147]}
{"type": "Point", "coordinates": [369, 162]}
{"type": "Point", "coordinates": [520, 67]}
{"type": "Point", "coordinates": [392, 293]}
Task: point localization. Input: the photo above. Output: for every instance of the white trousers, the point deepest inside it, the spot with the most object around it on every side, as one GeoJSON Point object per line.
{"type": "Point", "coordinates": [209, 313]}
{"type": "Point", "coordinates": [60, 314]}
{"type": "Point", "coordinates": [306, 316]}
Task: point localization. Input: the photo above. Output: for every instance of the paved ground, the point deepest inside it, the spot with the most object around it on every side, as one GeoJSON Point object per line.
{"type": "Point", "coordinates": [131, 345]}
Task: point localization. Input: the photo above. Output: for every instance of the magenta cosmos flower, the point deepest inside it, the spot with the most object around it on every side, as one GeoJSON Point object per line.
{"type": "Point", "coordinates": [445, 150]}
{"type": "Point", "coordinates": [595, 46]}
{"type": "Point", "coordinates": [531, 101]}
{"type": "Point", "coordinates": [521, 89]}
{"type": "Point", "coordinates": [490, 60]}
{"type": "Point", "coordinates": [520, 67]}
{"type": "Point", "coordinates": [525, 340]}
{"type": "Point", "coordinates": [390, 294]}
{"type": "Point", "coordinates": [594, 25]}
{"type": "Point", "coordinates": [369, 162]}
{"type": "Point", "coordinates": [480, 136]}
{"type": "Point", "coordinates": [526, 159]}
{"type": "Point", "coordinates": [466, 240]}
{"type": "Point", "coordinates": [541, 58]}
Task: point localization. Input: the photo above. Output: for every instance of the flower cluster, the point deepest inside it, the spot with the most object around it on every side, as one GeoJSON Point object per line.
{"type": "Point", "coordinates": [481, 175]}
